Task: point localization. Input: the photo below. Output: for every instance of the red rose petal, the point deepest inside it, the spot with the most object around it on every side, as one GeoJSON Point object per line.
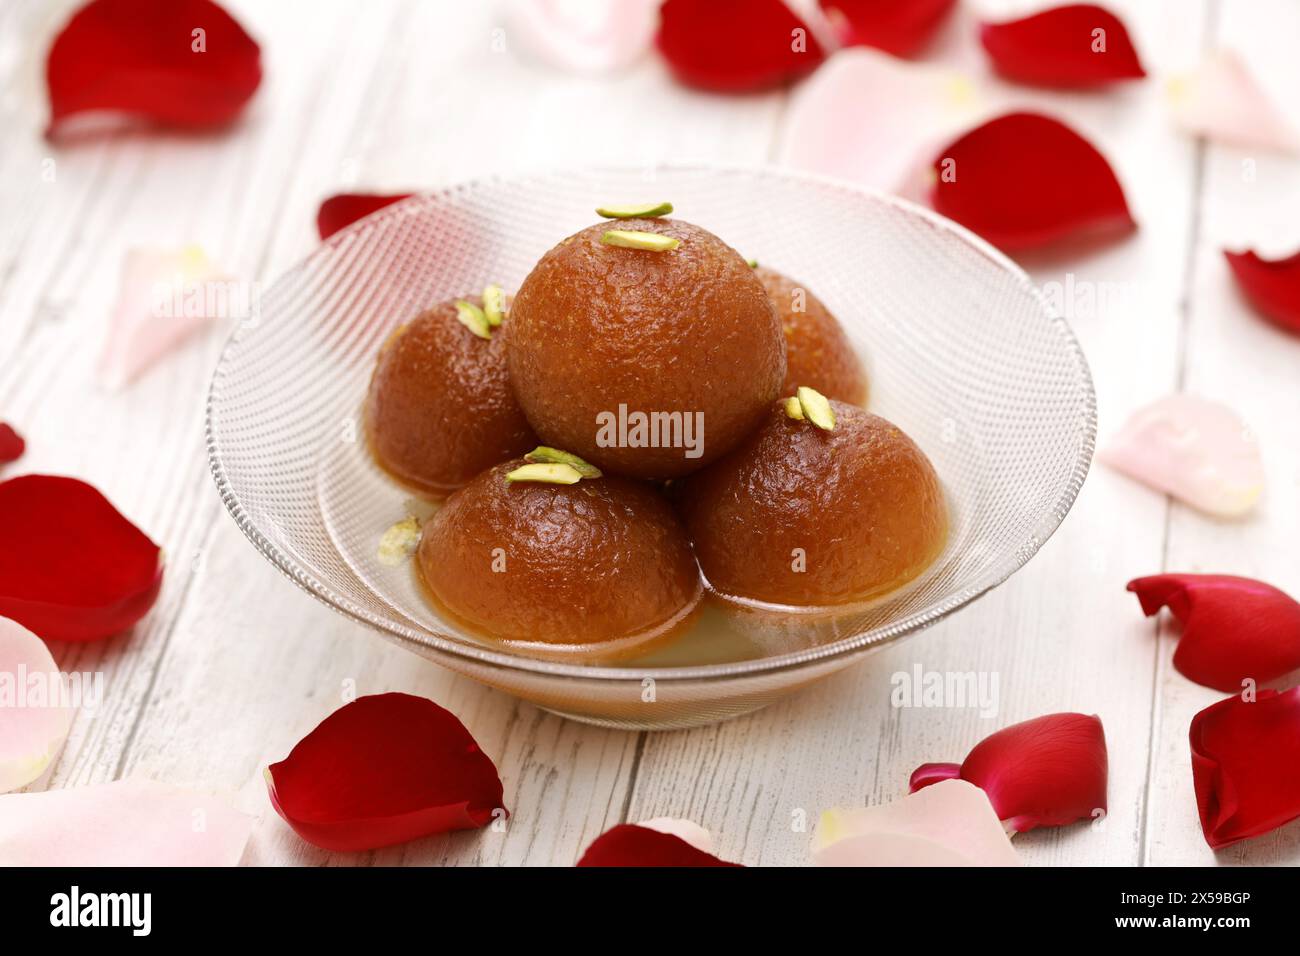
{"type": "Point", "coordinates": [1045, 772]}
{"type": "Point", "coordinates": [630, 845]}
{"type": "Point", "coordinates": [381, 770]}
{"type": "Point", "coordinates": [12, 445]}
{"type": "Point", "coordinates": [138, 57]}
{"type": "Point", "coordinates": [899, 27]}
{"type": "Point", "coordinates": [1059, 47]}
{"type": "Point", "coordinates": [344, 209]}
{"type": "Point", "coordinates": [71, 567]}
{"type": "Point", "coordinates": [1246, 765]}
{"type": "Point", "coordinates": [1025, 180]}
{"type": "Point", "coordinates": [1234, 629]}
{"type": "Point", "coordinates": [1271, 285]}
{"type": "Point", "coordinates": [735, 46]}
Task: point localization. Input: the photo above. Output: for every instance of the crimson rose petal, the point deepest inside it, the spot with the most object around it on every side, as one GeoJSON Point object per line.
{"type": "Point", "coordinates": [1271, 285]}
{"type": "Point", "coordinates": [1234, 629]}
{"type": "Point", "coordinates": [899, 27]}
{"type": "Point", "coordinates": [344, 209]}
{"type": "Point", "coordinates": [1246, 765]}
{"type": "Point", "coordinates": [1077, 45]}
{"type": "Point", "coordinates": [183, 63]}
{"type": "Point", "coordinates": [1025, 180]}
{"type": "Point", "coordinates": [1045, 772]}
{"type": "Point", "coordinates": [71, 567]}
{"type": "Point", "coordinates": [12, 445]}
{"type": "Point", "coordinates": [630, 845]}
{"type": "Point", "coordinates": [735, 46]}
{"type": "Point", "coordinates": [381, 770]}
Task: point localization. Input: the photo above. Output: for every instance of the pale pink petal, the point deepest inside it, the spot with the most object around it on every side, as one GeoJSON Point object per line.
{"type": "Point", "coordinates": [34, 713]}
{"type": "Point", "coordinates": [1222, 101]}
{"type": "Point", "coordinates": [582, 36]}
{"type": "Point", "coordinates": [685, 830]}
{"type": "Point", "coordinates": [165, 296]}
{"type": "Point", "coordinates": [950, 823]}
{"type": "Point", "coordinates": [124, 823]}
{"type": "Point", "coordinates": [1196, 450]}
{"type": "Point", "coordinates": [873, 119]}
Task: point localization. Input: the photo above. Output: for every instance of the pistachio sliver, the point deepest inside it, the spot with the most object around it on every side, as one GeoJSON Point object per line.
{"type": "Point", "coordinates": [550, 473]}
{"type": "Point", "coordinates": [472, 317]}
{"type": "Point", "coordinates": [544, 454]}
{"type": "Point", "coordinates": [816, 408]}
{"type": "Point", "coordinates": [399, 542]}
{"type": "Point", "coordinates": [752, 263]}
{"type": "Point", "coordinates": [631, 239]}
{"type": "Point", "coordinates": [494, 305]}
{"type": "Point", "coordinates": [793, 409]}
{"type": "Point", "coordinates": [643, 211]}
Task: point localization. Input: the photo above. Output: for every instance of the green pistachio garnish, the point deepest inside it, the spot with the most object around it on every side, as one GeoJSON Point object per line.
{"type": "Point", "coordinates": [630, 239]}
{"type": "Point", "coordinates": [553, 473]}
{"type": "Point", "coordinates": [793, 409]}
{"type": "Point", "coordinates": [816, 408]}
{"type": "Point", "coordinates": [546, 455]}
{"type": "Point", "coordinates": [494, 305]}
{"type": "Point", "coordinates": [644, 211]}
{"type": "Point", "coordinates": [472, 317]}
{"type": "Point", "coordinates": [399, 542]}
{"type": "Point", "coordinates": [752, 263]}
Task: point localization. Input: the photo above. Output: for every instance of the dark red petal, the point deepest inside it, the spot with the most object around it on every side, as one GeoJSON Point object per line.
{"type": "Point", "coordinates": [929, 773]}
{"type": "Point", "coordinates": [71, 567]}
{"type": "Point", "coordinates": [1246, 765]}
{"type": "Point", "coordinates": [138, 57]}
{"type": "Point", "coordinates": [1025, 180]}
{"type": "Point", "coordinates": [1234, 629]}
{"type": "Point", "coordinates": [346, 208]}
{"type": "Point", "coordinates": [900, 27]}
{"type": "Point", "coordinates": [12, 445]}
{"type": "Point", "coordinates": [385, 769]}
{"type": "Point", "coordinates": [1271, 285]}
{"type": "Point", "coordinates": [1041, 773]}
{"type": "Point", "coordinates": [631, 845]}
{"type": "Point", "coordinates": [735, 46]}
{"type": "Point", "coordinates": [1059, 47]}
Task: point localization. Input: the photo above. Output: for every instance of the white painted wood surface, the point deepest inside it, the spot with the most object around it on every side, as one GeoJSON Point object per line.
{"type": "Point", "coordinates": [234, 665]}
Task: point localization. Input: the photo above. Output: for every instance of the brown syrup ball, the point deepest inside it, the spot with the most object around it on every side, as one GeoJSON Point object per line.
{"type": "Point", "coordinates": [806, 517]}
{"type": "Point", "coordinates": [601, 564]}
{"type": "Point", "coordinates": [817, 352]}
{"type": "Point", "coordinates": [686, 339]}
{"type": "Point", "coordinates": [440, 407]}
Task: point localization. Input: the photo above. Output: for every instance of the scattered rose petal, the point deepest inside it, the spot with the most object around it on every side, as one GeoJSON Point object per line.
{"type": "Point", "coordinates": [1222, 101]}
{"type": "Point", "coordinates": [176, 62]}
{"type": "Point", "coordinates": [1234, 629]}
{"type": "Point", "coordinates": [686, 830]}
{"type": "Point", "coordinates": [1045, 772]}
{"type": "Point", "coordinates": [34, 714]}
{"type": "Point", "coordinates": [948, 824]}
{"type": "Point", "coordinates": [873, 119]}
{"type": "Point", "coordinates": [342, 210]}
{"type": "Point", "coordinates": [736, 46]}
{"type": "Point", "coordinates": [399, 542]}
{"type": "Point", "coordinates": [629, 844]}
{"type": "Point", "coordinates": [385, 769]}
{"type": "Point", "coordinates": [165, 297]}
{"type": "Point", "coordinates": [1025, 180]}
{"type": "Point", "coordinates": [12, 445]}
{"type": "Point", "coordinates": [1195, 450]}
{"type": "Point", "coordinates": [1076, 45]}
{"type": "Point", "coordinates": [583, 36]}
{"type": "Point", "coordinates": [120, 824]}
{"type": "Point", "coordinates": [71, 567]}
{"type": "Point", "coordinates": [900, 27]}
{"type": "Point", "coordinates": [1271, 285]}
{"type": "Point", "coordinates": [1246, 765]}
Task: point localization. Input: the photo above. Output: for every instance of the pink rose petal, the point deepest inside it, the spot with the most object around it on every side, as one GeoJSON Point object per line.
{"type": "Point", "coordinates": [124, 823]}
{"type": "Point", "coordinates": [582, 36]}
{"type": "Point", "coordinates": [950, 823]}
{"type": "Point", "coordinates": [34, 716]}
{"type": "Point", "coordinates": [1196, 450]}
{"type": "Point", "coordinates": [686, 830]}
{"type": "Point", "coordinates": [1223, 101]}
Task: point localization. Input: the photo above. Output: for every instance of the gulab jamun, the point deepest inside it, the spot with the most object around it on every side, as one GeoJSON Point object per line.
{"type": "Point", "coordinates": [601, 566]}
{"type": "Point", "coordinates": [440, 407]}
{"type": "Point", "coordinates": [818, 354]}
{"type": "Point", "coordinates": [802, 516]}
{"type": "Point", "coordinates": [648, 362]}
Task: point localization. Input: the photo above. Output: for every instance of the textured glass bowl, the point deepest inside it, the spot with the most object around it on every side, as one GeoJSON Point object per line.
{"type": "Point", "coordinates": [961, 349]}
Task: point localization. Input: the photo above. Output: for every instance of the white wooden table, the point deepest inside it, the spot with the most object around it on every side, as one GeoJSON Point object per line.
{"type": "Point", "coordinates": [234, 665]}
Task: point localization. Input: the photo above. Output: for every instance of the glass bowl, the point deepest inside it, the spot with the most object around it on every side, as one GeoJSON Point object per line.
{"type": "Point", "coordinates": [962, 351]}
